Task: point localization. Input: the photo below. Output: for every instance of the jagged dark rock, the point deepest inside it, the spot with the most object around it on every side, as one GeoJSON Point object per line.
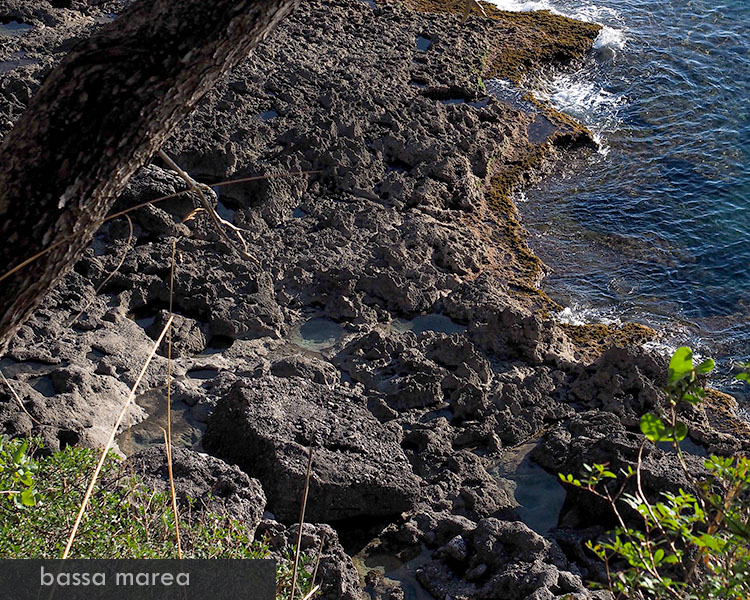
{"type": "Point", "coordinates": [358, 469]}
{"type": "Point", "coordinates": [338, 577]}
{"type": "Point", "coordinates": [214, 485]}
{"type": "Point", "coordinates": [402, 210]}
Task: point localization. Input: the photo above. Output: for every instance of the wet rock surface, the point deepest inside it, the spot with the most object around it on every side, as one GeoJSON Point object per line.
{"type": "Point", "coordinates": [369, 160]}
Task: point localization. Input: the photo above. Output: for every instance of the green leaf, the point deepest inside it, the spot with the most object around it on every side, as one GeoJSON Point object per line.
{"type": "Point", "coordinates": [705, 367]}
{"type": "Point", "coordinates": [658, 556]}
{"type": "Point", "coordinates": [744, 377]}
{"type": "Point", "coordinates": [652, 427]}
{"type": "Point", "coordinates": [680, 364]}
{"type": "Point", "coordinates": [18, 454]}
{"type": "Point", "coordinates": [27, 497]}
{"type": "Point", "coordinates": [677, 433]}
{"type": "Point", "coordinates": [569, 479]}
{"type": "Point", "coordinates": [710, 541]}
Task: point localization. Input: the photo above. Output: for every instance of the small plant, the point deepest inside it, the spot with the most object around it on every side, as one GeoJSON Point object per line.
{"type": "Point", "coordinates": [126, 519]}
{"type": "Point", "coordinates": [689, 545]}
{"type": "Point", "coordinates": [17, 470]}
{"type": "Point", "coordinates": [284, 571]}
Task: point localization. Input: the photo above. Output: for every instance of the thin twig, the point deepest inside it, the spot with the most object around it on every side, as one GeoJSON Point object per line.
{"type": "Point", "coordinates": [17, 398]}
{"type": "Point", "coordinates": [112, 274]}
{"type": "Point", "coordinates": [111, 439]}
{"type": "Point", "coordinates": [213, 185]}
{"type": "Point", "coordinates": [301, 521]}
{"type": "Point", "coordinates": [218, 221]}
{"type": "Point", "coordinates": [168, 447]}
{"type": "Point", "coordinates": [168, 433]}
{"type": "Point", "coordinates": [318, 557]}
{"type": "Point", "coordinates": [65, 240]}
{"type": "Point", "coordinates": [311, 593]}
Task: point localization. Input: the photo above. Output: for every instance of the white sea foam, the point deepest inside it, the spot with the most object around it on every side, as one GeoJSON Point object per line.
{"type": "Point", "coordinates": [587, 101]}
{"type": "Point", "coordinates": [582, 94]}
{"type": "Point", "coordinates": [577, 315]}
{"type": "Point", "coordinates": [578, 97]}
{"type": "Point", "coordinates": [592, 13]}
{"type": "Point", "coordinates": [610, 37]}
{"type": "Point", "coordinates": [660, 347]}
{"type": "Point", "coordinates": [522, 5]}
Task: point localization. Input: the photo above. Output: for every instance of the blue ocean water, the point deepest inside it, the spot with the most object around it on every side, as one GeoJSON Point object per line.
{"type": "Point", "coordinates": [655, 227]}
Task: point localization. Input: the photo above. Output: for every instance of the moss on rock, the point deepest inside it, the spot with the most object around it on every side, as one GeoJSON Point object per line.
{"type": "Point", "coordinates": [721, 412]}
{"type": "Point", "coordinates": [592, 339]}
{"type": "Point", "coordinates": [527, 265]}
{"type": "Point", "coordinates": [521, 42]}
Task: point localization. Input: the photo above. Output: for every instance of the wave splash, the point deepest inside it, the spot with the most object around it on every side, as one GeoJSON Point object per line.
{"type": "Point", "coordinates": [587, 101]}
{"type": "Point", "coordinates": [584, 94]}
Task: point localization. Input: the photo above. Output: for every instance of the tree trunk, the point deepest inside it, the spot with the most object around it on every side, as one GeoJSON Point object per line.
{"type": "Point", "coordinates": [100, 115]}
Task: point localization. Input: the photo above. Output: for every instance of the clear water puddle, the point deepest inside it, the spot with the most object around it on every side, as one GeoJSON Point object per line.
{"type": "Point", "coordinates": [17, 59]}
{"type": "Point", "coordinates": [316, 334]}
{"type": "Point", "coordinates": [14, 28]}
{"type": "Point", "coordinates": [540, 129]}
{"type": "Point", "coordinates": [432, 322]}
{"type": "Point", "coordinates": [186, 431]}
{"type": "Point", "coordinates": [423, 43]}
{"type": "Point", "coordinates": [507, 92]}
{"type": "Point", "coordinates": [686, 445]}
{"type": "Point", "coordinates": [225, 212]}
{"type": "Point", "coordinates": [12, 368]}
{"type": "Point", "coordinates": [104, 19]}
{"type": "Point", "coordinates": [476, 104]}
{"type": "Point", "coordinates": [207, 373]}
{"type": "Point", "coordinates": [44, 386]}
{"type": "Point", "coordinates": [539, 495]}
{"type": "Point", "coordinates": [268, 115]}
{"type": "Point", "coordinates": [394, 569]}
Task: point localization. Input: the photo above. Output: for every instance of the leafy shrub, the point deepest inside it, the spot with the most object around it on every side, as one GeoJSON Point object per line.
{"type": "Point", "coordinates": [125, 519]}
{"type": "Point", "coordinates": [17, 471]}
{"type": "Point", "coordinates": [689, 545]}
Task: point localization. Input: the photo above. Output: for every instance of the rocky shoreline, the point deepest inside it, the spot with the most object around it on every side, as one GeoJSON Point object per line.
{"type": "Point", "coordinates": [391, 316]}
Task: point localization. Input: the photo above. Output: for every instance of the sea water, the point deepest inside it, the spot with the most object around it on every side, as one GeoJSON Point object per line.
{"type": "Point", "coordinates": [655, 226]}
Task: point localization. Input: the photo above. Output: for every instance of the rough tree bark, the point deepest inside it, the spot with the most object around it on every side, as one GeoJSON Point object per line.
{"type": "Point", "coordinates": [101, 114]}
